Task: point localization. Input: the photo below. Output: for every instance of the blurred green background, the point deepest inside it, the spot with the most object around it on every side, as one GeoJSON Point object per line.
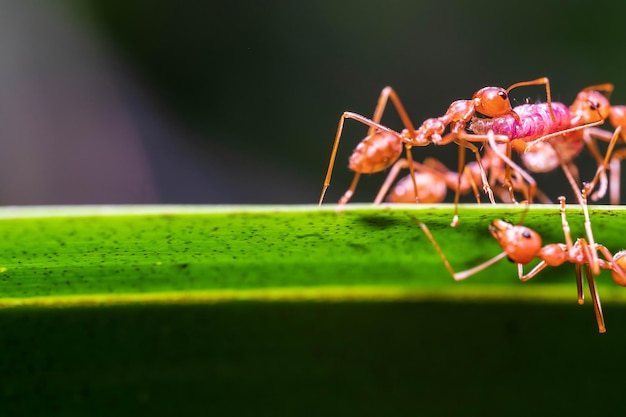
{"type": "Point", "coordinates": [128, 101]}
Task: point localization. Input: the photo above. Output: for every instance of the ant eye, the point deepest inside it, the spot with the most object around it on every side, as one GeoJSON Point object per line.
{"type": "Point", "coordinates": [503, 95]}
{"type": "Point", "coordinates": [526, 234]}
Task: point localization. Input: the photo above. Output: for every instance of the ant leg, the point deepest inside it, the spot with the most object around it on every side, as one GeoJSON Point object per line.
{"type": "Point", "coordinates": [465, 140]}
{"type": "Point", "coordinates": [567, 170]}
{"type": "Point", "coordinates": [581, 196]}
{"type": "Point", "coordinates": [348, 194]}
{"type": "Point", "coordinates": [565, 225]}
{"type": "Point", "coordinates": [389, 93]}
{"type": "Point", "coordinates": [451, 177]}
{"type": "Point", "coordinates": [602, 167]}
{"type": "Point", "coordinates": [333, 155]}
{"type": "Point", "coordinates": [591, 254]}
{"type": "Point", "coordinates": [393, 174]}
{"type": "Point", "coordinates": [593, 258]}
{"type": "Point", "coordinates": [572, 168]}
{"type": "Point", "coordinates": [538, 81]}
{"type": "Point", "coordinates": [470, 178]}
{"type": "Point", "coordinates": [613, 164]}
{"type": "Point", "coordinates": [593, 290]}
{"type": "Point", "coordinates": [508, 176]}
{"type": "Point", "coordinates": [409, 157]}
{"type": "Point", "coordinates": [391, 177]}
{"type": "Point", "coordinates": [615, 168]}
{"type": "Point", "coordinates": [532, 184]}
{"type": "Point", "coordinates": [540, 196]}
{"type": "Point", "coordinates": [597, 306]}
{"type": "Point", "coordinates": [533, 143]}
{"type": "Point", "coordinates": [458, 276]}
{"type": "Point", "coordinates": [537, 269]}
{"type": "Point", "coordinates": [590, 142]}
{"type": "Point", "coordinates": [579, 285]}
{"type": "Point", "coordinates": [529, 192]}
{"type": "Point", "coordinates": [457, 189]}
{"type": "Point", "coordinates": [595, 264]}
{"type": "Point", "coordinates": [436, 187]}
{"type": "Point", "coordinates": [519, 185]}
{"type": "Point", "coordinates": [462, 168]}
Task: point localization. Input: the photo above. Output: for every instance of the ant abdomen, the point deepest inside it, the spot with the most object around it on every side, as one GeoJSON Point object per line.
{"type": "Point", "coordinates": [619, 268]}
{"type": "Point", "coordinates": [376, 153]}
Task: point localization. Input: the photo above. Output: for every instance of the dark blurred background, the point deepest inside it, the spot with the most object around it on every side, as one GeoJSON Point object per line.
{"type": "Point", "coordinates": [129, 101]}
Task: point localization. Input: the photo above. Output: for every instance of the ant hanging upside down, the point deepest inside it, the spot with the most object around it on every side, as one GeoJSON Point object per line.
{"type": "Point", "coordinates": [522, 244]}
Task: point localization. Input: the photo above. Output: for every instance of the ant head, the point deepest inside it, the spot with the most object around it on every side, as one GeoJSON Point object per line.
{"type": "Point", "coordinates": [520, 243]}
{"type": "Point", "coordinates": [590, 106]}
{"type": "Point", "coordinates": [492, 101]}
{"type": "Point", "coordinates": [618, 116]}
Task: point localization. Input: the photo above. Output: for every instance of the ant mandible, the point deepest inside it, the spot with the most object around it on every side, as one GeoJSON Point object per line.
{"type": "Point", "coordinates": [522, 244]}
{"type": "Point", "coordinates": [383, 146]}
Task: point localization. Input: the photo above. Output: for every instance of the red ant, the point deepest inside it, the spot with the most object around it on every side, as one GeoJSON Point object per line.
{"type": "Point", "coordinates": [567, 131]}
{"type": "Point", "coordinates": [617, 118]}
{"type": "Point", "coordinates": [581, 195]}
{"type": "Point", "coordinates": [433, 178]}
{"type": "Point", "coordinates": [549, 135]}
{"type": "Point", "coordinates": [383, 146]}
{"type": "Point", "coordinates": [522, 244]}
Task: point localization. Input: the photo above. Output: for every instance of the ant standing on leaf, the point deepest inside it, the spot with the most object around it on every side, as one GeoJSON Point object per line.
{"type": "Point", "coordinates": [522, 244]}
{"type": "Point", "coordinates": [617, 118]}
{"type": "Point", "coordinates": [433, 178]}
{"type": "Point", "coordinates": [382, 146]}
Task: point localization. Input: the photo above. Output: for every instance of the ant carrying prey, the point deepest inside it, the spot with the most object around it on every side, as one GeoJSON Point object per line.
{"type": "Point", "coordinates": [382, 146]}
{"type": "Point", "coordinates": [549, 135]}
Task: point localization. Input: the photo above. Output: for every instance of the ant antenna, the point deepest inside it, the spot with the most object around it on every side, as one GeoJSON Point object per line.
{"type": "Point", "coordinates": [538, 81]}
{"type": "Point", "coordinates": [606, 88]}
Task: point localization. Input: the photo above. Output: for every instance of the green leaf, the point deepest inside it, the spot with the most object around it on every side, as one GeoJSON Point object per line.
{"type": "Point", "coordinates": [268, 253]}
{"type": "Point", "coordinates": [293, 311]}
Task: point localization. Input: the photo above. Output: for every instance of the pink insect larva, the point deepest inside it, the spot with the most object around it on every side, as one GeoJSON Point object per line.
{"type": "Point", "coordinates": [534, 122]}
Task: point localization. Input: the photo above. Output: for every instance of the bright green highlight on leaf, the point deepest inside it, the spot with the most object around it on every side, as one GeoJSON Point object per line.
{"type": "Point", "coordinates": [192, 254]}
